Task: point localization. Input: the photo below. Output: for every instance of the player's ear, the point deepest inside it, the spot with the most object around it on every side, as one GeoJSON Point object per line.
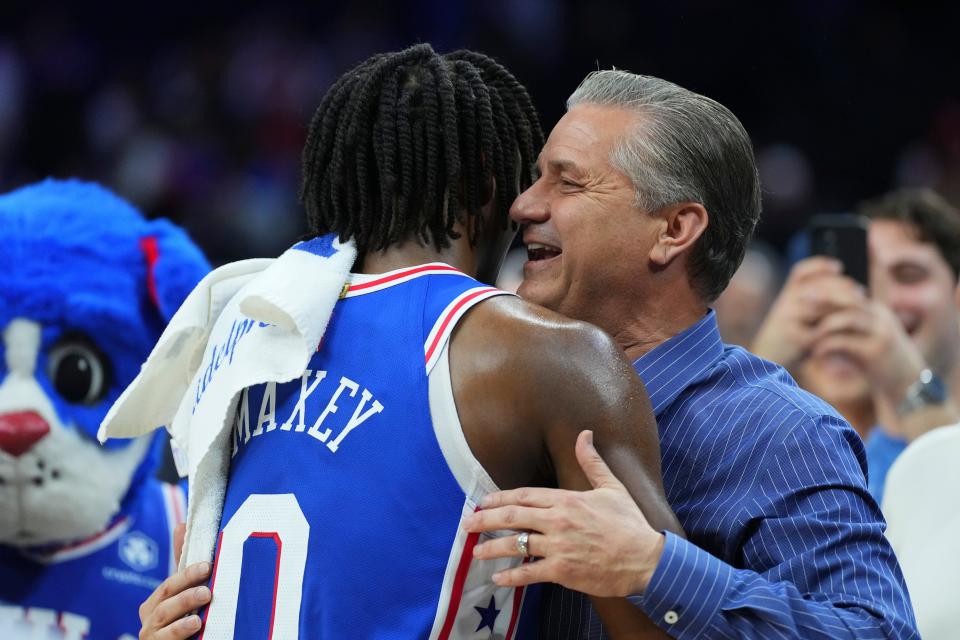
{"type": "Point", "coordinates": [174, 265]}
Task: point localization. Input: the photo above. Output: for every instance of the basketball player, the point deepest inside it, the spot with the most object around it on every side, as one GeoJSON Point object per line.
{"type": "Point", "coordinates": [428, 391]}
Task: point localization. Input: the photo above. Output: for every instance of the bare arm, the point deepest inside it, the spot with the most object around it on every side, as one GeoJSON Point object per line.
{"type": "Point", "coordinates": [554, 382]}
{"type": "Point", "coordinates": [599, 389]}
{"type": "Point", "coordinates": [594, 387]}
{"type": "Point", "coordinates": [527, 381]}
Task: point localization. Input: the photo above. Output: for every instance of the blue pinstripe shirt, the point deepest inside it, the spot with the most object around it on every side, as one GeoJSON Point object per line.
{"type": "Point", "coordinates": [768, 483]}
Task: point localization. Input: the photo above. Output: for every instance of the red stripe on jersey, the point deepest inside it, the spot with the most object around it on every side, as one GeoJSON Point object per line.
{"type": "Point", "coordinates": [462, 570]}
{"type": "Point", "coordinates": [276, 572]}
{"type": "Point", "coordinates": [401, 274]}
{"type": "Point", "coordinates": [450, 315]}
{"type": "Point", "coordinates": [213, 582]}
{"type": "Point", "coordinates": [174, 497]}
{"type": "Point", "coordinates": [517, 601]}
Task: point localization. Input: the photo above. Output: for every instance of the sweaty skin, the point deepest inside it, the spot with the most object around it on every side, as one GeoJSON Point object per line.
{"type": "Point", "coordinates": [526, 382]}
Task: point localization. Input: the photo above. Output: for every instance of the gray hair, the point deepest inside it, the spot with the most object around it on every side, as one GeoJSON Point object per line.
{"type": "Point", "coordinates": [685, 147]}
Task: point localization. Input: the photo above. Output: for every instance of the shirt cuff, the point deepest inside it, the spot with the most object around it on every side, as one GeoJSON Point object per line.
{"type": "Point", "coordinates": [687, 589]}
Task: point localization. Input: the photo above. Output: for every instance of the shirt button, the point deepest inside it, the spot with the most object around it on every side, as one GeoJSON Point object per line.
{"type": "Point", "coordinates": [671, 617]}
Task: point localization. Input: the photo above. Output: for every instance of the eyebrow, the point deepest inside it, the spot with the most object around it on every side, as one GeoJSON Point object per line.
{"type": "Point", "coordinates": [563, 164]}
{"type": "Point", "coordinates": [913, 257]}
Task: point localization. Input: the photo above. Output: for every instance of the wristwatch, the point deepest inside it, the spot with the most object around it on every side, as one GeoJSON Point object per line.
{"type": "Point", "coordinates": [927, 391]}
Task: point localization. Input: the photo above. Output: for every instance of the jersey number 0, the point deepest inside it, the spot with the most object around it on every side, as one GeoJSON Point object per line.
{"type": "Point", "coordinates": [272, 516]}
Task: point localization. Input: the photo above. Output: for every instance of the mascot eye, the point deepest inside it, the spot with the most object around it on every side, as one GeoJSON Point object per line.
{"type": "Point", "coordinates": [79, 371]}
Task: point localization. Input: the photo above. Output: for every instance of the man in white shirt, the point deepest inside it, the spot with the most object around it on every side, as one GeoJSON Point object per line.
{"type": "Point", "coordinates": [923, 512]}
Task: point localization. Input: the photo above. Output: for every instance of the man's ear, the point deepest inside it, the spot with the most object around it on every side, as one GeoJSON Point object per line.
{"type": "Point", "coordinates": [682, 225]}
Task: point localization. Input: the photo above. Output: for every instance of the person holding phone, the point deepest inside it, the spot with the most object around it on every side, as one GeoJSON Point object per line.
{"type": "Point", "coordinates": [885, 353]}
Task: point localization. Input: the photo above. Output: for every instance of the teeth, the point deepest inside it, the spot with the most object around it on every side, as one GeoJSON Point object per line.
{"type": "Point", "coordinates": [534, 246]}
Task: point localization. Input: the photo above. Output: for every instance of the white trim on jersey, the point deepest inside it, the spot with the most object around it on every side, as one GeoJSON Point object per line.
{"type": "Point", "coordinates": [443, 327]}
{"type": "Point", "coordinates": [473, 479]}
{"type": "Point", "coordinates": [467, 583]}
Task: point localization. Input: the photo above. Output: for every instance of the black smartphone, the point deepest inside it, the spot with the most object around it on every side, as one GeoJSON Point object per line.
{"type": "Point", "coordinates": [842, 236]}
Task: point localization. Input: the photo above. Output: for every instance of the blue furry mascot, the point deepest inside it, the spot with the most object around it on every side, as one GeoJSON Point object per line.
{"type": "Point", "coordinates": [85, 531]}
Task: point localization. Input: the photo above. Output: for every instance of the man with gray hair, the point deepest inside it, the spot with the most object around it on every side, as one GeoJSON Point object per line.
{"type": "Point", "coordinates": [647, 197]}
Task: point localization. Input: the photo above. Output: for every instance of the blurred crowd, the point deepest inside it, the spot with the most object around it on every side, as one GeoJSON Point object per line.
{"type": "Point", "coordinates": [198, 113]}
{"type": "Point", "coordinates": [205, 125]}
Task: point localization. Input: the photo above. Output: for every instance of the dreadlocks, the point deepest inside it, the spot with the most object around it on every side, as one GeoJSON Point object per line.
{"type": "Point", "coordinates": [405, 143]}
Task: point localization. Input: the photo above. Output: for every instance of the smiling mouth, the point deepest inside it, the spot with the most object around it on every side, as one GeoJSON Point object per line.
{"type": "Point", "coordinates": [911, 328]}
{"type": "Point", "coordinates": [537, 252]}
{"type": "Point", "coordinates": [841, 364]}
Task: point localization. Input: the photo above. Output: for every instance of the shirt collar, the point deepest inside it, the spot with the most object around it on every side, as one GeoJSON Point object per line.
{"type": "Point", "coordinates": [675, 364]}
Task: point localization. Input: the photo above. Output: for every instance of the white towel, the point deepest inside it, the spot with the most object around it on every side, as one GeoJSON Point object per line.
{"type": "Point", "coordinates": [246, 323]}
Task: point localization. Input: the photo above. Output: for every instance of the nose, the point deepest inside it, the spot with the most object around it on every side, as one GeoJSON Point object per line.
{"type": "Point", "coordinates": [530, 206]}
{"type": "Point", "coordinates": [21, 430]}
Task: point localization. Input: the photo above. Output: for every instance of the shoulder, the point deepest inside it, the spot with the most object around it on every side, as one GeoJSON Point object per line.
{"type": "Point", "coordinates": [541, 360]}
{"type": "Point", "coordinates": [758, 385]}
{"type": "Point", "coordinates": [942, 443]}
{"type": "Point", "coordinates": [526, 379]}
{"type": "Point", "coordinates": [527, 342]}
{"type": "Point", "coordinates": [522, 326]}
{"type": "Point", "coordinates": [919, 486]}
{"type": "Point", "coordinates": [747, 415]}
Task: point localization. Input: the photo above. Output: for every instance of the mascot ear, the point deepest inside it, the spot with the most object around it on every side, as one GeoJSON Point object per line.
{"type": "Point", "coordinates": [174, 265]}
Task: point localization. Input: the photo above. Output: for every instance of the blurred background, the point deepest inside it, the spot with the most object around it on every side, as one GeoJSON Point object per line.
{"type": "Point", "coordinates": [197, 111]}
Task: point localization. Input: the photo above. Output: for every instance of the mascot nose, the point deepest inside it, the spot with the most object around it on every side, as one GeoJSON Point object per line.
{"type": "Point", "coordinates": [20, 431]}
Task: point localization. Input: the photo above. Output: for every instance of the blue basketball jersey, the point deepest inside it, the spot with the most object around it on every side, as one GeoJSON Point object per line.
{"type": "Point", "coordinates": [92, 589]}
{"type": "Point", "coordinates": [347, 486]}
